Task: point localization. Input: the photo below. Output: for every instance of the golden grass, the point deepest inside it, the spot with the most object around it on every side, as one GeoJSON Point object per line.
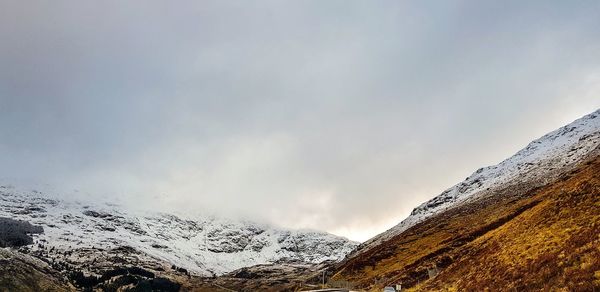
{"type": "Point", "coordinates": [520, 238]}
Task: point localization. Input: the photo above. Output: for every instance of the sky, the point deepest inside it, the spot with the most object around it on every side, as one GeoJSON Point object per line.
{"type": "Point", "coordinates": [339, 116]}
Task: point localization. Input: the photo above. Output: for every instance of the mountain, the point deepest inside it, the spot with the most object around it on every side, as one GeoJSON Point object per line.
{"type": "Point", "coordinates": [20, 272]}
{"type": "Point", "coordinates": [94, 238]}
{"type": "Point", "coordinates": [529, 223]}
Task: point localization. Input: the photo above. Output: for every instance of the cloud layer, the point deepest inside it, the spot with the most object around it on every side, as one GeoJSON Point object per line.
{"type": "Point", "coordinates": [336, 115]}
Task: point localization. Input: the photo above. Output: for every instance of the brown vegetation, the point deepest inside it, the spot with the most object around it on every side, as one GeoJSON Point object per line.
{"type": "Point", "coordinates": [520, 238]}
{"type": "Point", "coordinates": [23, 273]}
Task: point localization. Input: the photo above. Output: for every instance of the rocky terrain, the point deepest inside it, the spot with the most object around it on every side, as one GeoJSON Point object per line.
{"type": "Point", "coordinates": [91, 244]}
{"type": "Point", "coordinates": [17, 233]}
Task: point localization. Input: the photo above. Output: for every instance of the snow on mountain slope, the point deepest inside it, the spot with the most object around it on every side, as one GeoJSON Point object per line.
{"type": "Point", "coordinates": [204, 246]}
{"type": "Point", "coordinates": [537, 163]}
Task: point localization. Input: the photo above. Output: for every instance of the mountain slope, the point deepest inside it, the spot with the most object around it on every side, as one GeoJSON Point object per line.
{"type": "Point", "coordinates": [541, 161]}
{"type": "Point", "coordinates": [553, 244]}
{"type": "Point", "coordinates": [20, 272]}
{"type": "Point", "coordinates": [79, 234]}
{"type": "Point", "coordinates": [486, 212]}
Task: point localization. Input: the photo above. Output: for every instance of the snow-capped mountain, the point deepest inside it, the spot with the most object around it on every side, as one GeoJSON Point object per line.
{"type": "Point", "coordinates": [78, 233]}
{"type": "Point", "coordinates": [536, 164]}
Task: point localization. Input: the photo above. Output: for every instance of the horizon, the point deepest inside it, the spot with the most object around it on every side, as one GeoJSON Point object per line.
{"type": "Point", "coordinates": [303, 115]}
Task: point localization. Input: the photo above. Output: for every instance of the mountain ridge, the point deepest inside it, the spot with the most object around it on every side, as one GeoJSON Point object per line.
{"type": "Point", "coordinates": [528, 223]}
{"type": "Point", "coordinates": [203, 246]}
{"type": "Point", "coordinates": [585, 129]}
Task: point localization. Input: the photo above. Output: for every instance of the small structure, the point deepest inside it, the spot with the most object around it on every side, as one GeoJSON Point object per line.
{"type": "Point", "coordinates": [432, 272]}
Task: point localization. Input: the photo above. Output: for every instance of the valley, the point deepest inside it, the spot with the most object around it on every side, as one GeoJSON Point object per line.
{"type": "Point", "coordinates": [530, 223]}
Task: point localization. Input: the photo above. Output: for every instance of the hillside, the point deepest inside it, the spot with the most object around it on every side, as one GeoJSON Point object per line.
{"type": "Point", "coordinates": [20, 272]}
{"type": "Point", "coordinates": [97, 239]}
{"type": "Point", "coordinates": [530, 222]}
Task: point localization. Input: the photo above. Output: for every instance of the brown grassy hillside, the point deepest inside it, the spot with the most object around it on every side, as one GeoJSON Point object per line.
{"type": "Point", "coordinates": [520, 238]}
{"type": "Point", "coordinates": [23, 273]}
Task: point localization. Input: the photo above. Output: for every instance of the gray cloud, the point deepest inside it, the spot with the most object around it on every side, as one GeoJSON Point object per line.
{"type": "Point", "coordinates": [333, 115]}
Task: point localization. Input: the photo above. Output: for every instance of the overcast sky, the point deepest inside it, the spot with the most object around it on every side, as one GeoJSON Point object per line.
{"type": "Point", "coordinates": [333, 115]}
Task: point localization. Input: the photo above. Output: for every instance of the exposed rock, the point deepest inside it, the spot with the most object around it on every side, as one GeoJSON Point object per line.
{"type": "Point", "coordinates": [16, 232]}
{"type": "Point", "coordinates": [76, 233]}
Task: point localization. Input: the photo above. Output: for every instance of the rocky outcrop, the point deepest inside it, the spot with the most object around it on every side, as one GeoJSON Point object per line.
{"type": "Point", "coordinates": [84, 235]}
{"type": "Point", "coordinates": [14, 233]}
